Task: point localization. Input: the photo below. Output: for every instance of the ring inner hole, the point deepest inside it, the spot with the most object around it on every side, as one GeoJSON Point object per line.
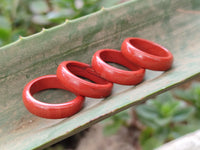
{"type": "Point", "coordinates": [116, 65]}
{"type": "Point", "coordinates": [148, 47]}
{"type": "Point", "coordinates": [54, 96]}
{"type": "Point", "coordinates": [117, 60]}
{"type": "Point", "coordinates": [49, 90]}
{"type": "Point", "coordinates": [86, 73]}
{"type": "Point", "coordinates": [86, 79]}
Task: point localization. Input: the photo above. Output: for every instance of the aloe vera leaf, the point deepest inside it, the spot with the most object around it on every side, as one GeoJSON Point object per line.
{"type": "Point", "coordinates": [173, 24]}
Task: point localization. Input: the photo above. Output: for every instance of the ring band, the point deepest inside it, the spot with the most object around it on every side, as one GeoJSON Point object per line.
{"type": "Point", "coordinates": [113, 74]}
{"type": "Point", "coordinates": [68, 73]}
{"type": "Point", "coordinates": [46, 110]}
{"type": "Point", "coordinates": [147, 54]}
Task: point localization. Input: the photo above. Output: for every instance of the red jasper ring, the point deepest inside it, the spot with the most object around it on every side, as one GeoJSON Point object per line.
{"type": "Point", "coordinates": [68, 73]}
{"type": "Point", "coordinates": [147, 54]}
{"type": "Point", "coordinates": [113, 74]}
{"type": "Point", "coordinates": [46, 110]}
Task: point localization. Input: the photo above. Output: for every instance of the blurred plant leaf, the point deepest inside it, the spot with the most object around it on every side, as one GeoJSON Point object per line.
{"type": "Point", "coordinates": [191, 95]}
{"type": "Point", "coordinates": [31, 16]}
{"type": "Point", "coordinates": [147, 112]}
{"type": "Point", "coordinates": [148, 115]}
{"type": "Point", "coordinates": [111, 128]}
{"type": "Point", "coordinates": [158, 112]}
{"type": "Point", "coordinates": [165, 118]}
{"type": "Point", "coordinates": [38, 7]}
{"type": "Point", "coordinates": [151, 143]}
{"type": "Point", "coordinates": [62, 3]}
{"type": "Point", "coordinates": [185, 95]}
{"type": "Point", "coordinates": [60, 16]}
{"type": "Point", "coordinates": [40, 20]}
{"type": "Point", "coordinates": [182, 114]}
{"type": "Point", "coordinates": [5, 28]}
{"type": "Point", "coordinates": [113, 123]}
{"type": "Point", "coordinates": [179, 130]}
{"type": "Point", "coordinates": [146, 134]}
{"type": "Point", "coordinates": [106, 3]}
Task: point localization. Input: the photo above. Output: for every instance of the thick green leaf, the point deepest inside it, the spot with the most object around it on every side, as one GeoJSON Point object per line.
{"type": "Point", "coordinates": [192, 95]}
{"type": "Point", "coordinates": [148, 115]}
{"type": "Point", "coordinates": [186, 95]}
{"type": "Point", "coordinates": [147, 111]}
{"type": "Point", "coordinates": [112, 128]}
{"type": "Point", "coordinates": [151, 143]}
{"type": "Point", "coordinates": [168, 108]}
{"type": "Point", "coordinates": [182, 129]}
{"type": "Point", "coordinates": [124, 115]}
{"type": "Point", "coordinates": [145, 135]}
{"type": "Point", "coordinates": [113, 123]}
{"type": "Point", "coordinates": [183, 114]}
{"type": "Point", "coordinates": [169, 23]}
{"type": "Point", "coordinates": [162, 111]}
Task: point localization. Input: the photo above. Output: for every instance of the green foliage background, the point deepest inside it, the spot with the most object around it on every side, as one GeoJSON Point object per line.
{"type": "Point", "coordinates": [26, 17]}
{"type": "Point", "coordinates": [165, 118]}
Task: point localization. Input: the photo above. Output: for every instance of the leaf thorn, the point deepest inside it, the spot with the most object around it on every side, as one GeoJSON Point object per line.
{"type": "Point", "coordinates": [67, 20]}
{"type": "Point", "coordinates": [20, 37]}
{"type": "Point", "coordinates": [43, 29]}
{"type": "Point", "coordinates": [102, 8]}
